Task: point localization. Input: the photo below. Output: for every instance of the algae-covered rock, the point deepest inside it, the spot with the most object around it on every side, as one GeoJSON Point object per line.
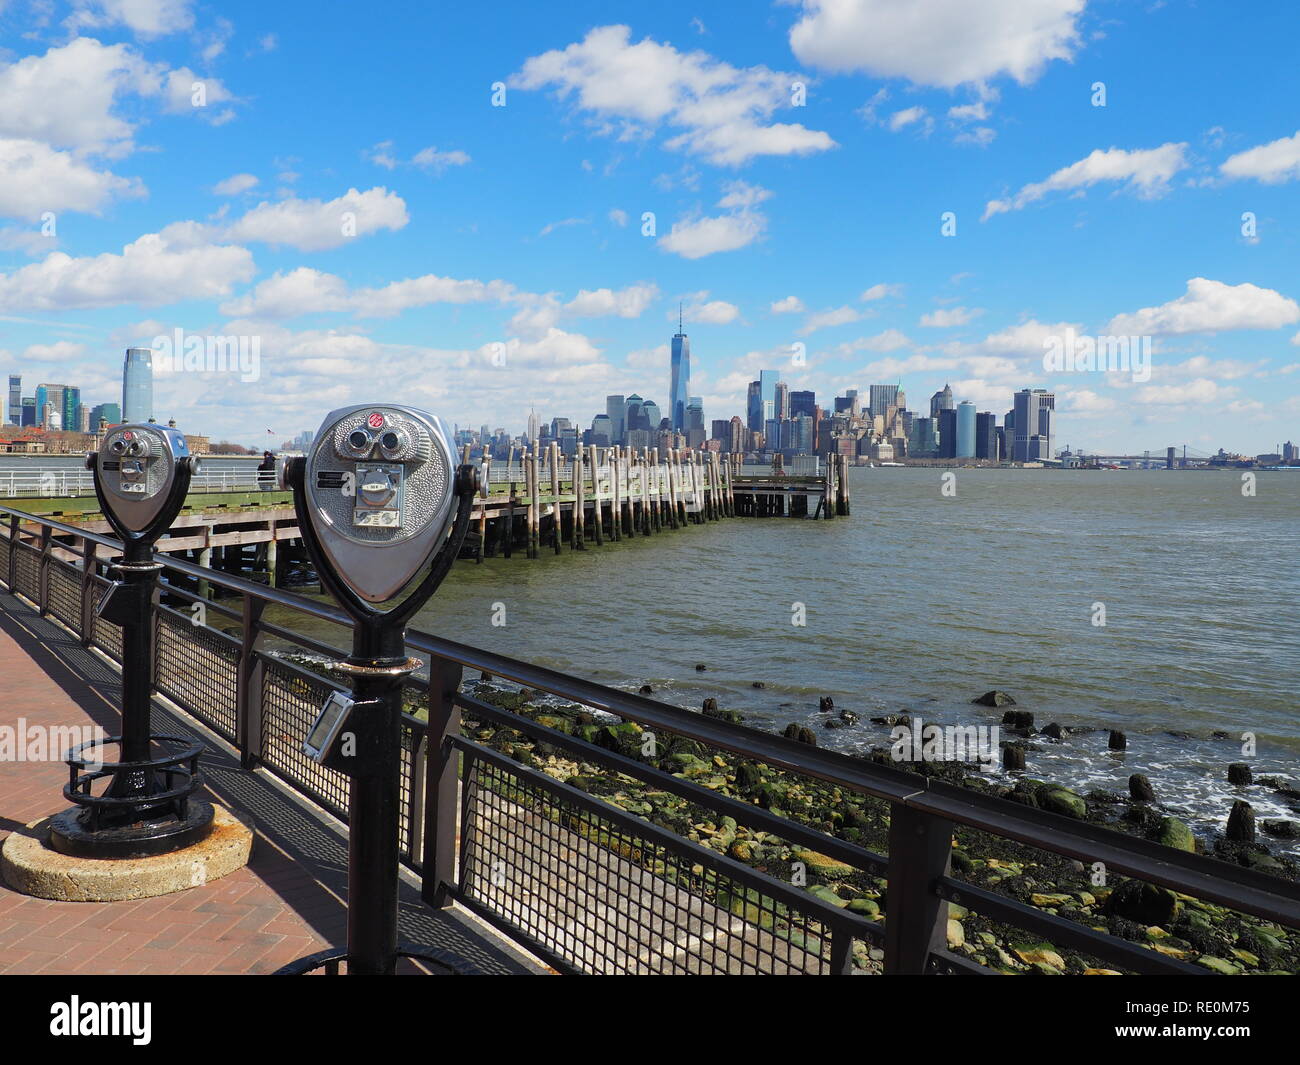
{"type": "Point", "coordinates": [1173, 833]}
{"type": "Point", "coordinates": [1063, 801]}
{"type": "Point", "coordinates": [823, 866]}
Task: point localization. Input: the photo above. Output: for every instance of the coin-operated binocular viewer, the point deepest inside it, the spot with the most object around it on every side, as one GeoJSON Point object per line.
{"type": "Point", "coordinates": [383, 508]}
{"type": "Point", "coordinates": [141, 475]}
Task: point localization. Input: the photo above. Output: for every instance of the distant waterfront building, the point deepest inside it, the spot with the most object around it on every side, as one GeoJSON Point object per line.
{"type": "Point", "coordinates": [72, 408]}
{"type": "Point", "coordinates": [986, 436]}
{"type": "Point", "coordinates": [108, 413]}
{"type": "Point", "coordinates": [679, 388]}
{"type": "Point", "coordinates": [634, 416]}
{"type": "Point", "coordinates": [137, 385]}
{"type": "Point", "coordinates": [947, 433]}
{"type": "Point", "coordinates": [803, 403]}
{"type": "Point", "coordinates": [965, 429]}
{"type": "Point", "coordinates": [1034, 412]}
{"type": "Point", "coordinates": [534, 426]}
{"type": "Point", "coordinates": [616, 411]}
{"type": "Point", "coordinates": [782, 409]}
{"type": "Point", "coordinates": [941, 401]}
{"type": "Point", "coordinates": [923, 438]}
{"type": "Point", "coordinates": [754, 407]}
{"type": "Point", "coordinates": [650, 411]}
{"type": "Point", "coordinates": [15, 399]}
{"type": "Point", "coordinates": [882, 397]}
{"type": "Point", "coordinates": [694, 428]}
{"type": "Point", "coordinates": [50, 406]}
{"type": "Point", "coordinates": [601, 429]}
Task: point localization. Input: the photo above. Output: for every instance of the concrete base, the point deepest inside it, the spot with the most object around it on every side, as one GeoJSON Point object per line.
{"type": "Point", "coordinates": [31, 866]}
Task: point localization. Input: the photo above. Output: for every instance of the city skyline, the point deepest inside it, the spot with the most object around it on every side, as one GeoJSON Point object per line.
{"type": "Point", "coordinates": [1070, 187]}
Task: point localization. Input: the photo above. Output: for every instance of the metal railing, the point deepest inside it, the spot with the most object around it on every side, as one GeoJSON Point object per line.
{"type": "Point", "coordinates": [584, 883]}
{"type": "Point", "coordinates": [69, 483]}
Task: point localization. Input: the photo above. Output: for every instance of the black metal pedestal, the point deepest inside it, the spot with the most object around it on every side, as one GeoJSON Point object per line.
{"type": "Point", "coordinates": [148, 805]}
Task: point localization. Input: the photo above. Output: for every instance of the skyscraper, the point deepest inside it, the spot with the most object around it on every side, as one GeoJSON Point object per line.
{"type": "Point", "coordinates": [1034, 412]}
{"type": "Point", "coordinates": [137, 385]}
{"type": "Point", "coordinates": [941, 401]}
{"type": "Point", "coordinates": [72, 408]}
{"type": "Point", "coordinates": [986, 436]}
{"type": "Point", "coordinates": [534, 425]}
{"type": "Point", "coordinates": [803, 403]}
{"type": "Point", "coordinates": [754, 407]}
{"type": "Point", "coordinates": [767, 391]}
{"type": "Point", "coordinates": [782, 412]}
{"type": "Point", "coordinates": [650, 409]}
{"type": "Point", "coordinates": [965, 430]}
{"type": "Point", "coordinates": [49, 406]}
{"type": "Point", "coordinates": [882, 397]}
{"type": "Point", "coordinates": [15, 399]}
{"type": "Point", "coordinates": [633, 414]}
{"type": "Point", "coordinates": [679, 388]}
{"type": "Point", "coordinates": [947, 433]}
{"type": "Point", "coordinates": [615, 410]}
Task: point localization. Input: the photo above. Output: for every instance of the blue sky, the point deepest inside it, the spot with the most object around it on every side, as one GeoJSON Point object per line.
{"type": "Point", "coordinates": [347, 194]}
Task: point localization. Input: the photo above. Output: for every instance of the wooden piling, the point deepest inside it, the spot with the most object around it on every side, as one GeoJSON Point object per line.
{"type": "Point", "coordinates": [552, 457]}
{"type": "Point", "coordinates": [597, 514]}
{"type": "Point", "coordinates": [485, 479]}
{"type": "Point", "coordinates": [579, 503]}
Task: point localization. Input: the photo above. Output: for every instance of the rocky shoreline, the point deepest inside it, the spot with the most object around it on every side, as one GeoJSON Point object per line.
{"type": "Point", "coordinates": [1170, 923]}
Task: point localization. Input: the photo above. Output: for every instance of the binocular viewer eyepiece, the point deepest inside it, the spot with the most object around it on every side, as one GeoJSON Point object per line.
{"type": "Point", "coordinates": [379, 488]}
{"type": "Point", "coordinates": [142, 473]}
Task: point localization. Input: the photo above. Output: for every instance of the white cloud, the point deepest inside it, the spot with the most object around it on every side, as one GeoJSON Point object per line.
{"type": "Point", "coordinates": [309, 291]}
{"type": "Point", "coordinates": [1271, 163]}
{"type": "Point", "coordinates": [944, 43]}
{"type": "Point", "coordinates": [695, 238]}
{"type": "Point", "coordinates": [234, 185]}
{"type": "Point", "coordinates": [316, 225]}
{"type": "Point", "coordinates": [158, 268]}
{"type": "Point", "coordinates": [1145, 171]}
{"type": "Point", "coordinates": [627, 90]}
{"type": "Point", "coordinates": [700, 309]}
{"type": "Point", "coordinates": [1198, 392]}
{"type": "Point", "coordinates": [34, 178]}
{"type": "Point", "coordinates": [899, 119]}
{"type": "Point", "coordinates": [69, 97]}
{"type": "Point", "coordinates": [880, 291]}
{"type": "Point", "coordinates": [60, 352]}
{"type": "Point", "coordinates": [788, 305]}
{"type": "Point", "coordinates": [945, 319]}
{"type": "Point", "coordinates": [973, 112]}
{"type": "Point", "coordinates": [629, 302]}
{"type": "Point", "coordinates": [832, 317]}
{"type": "Point", "coordinates": [1084, 401]}
{"type": "Point", "coordinates": [1026, 339]}
{"type": "Point", "coordinates": [889, 340]}
{"type": "Point", "coordinates": [437, 162]}
{"type": "Point", "coordinates": [1211, 307]}
{"type": "Point", "coordinates": [148, 18]}
{"type": "Point", "coordinates": [618, 216]}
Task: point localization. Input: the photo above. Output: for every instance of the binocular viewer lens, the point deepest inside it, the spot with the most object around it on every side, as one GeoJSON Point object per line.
{"type": "Point", "coordinates": [392, 443]}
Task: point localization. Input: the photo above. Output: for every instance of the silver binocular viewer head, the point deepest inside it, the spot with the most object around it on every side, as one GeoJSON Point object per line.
{"type": "Point", "coordinates": [137, 469]}
{"type": "Point", "coordinates": [379, 483]}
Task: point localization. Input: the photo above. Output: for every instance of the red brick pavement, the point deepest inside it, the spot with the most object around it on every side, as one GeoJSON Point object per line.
{"type": "Point", "coordinates": [239, 924]}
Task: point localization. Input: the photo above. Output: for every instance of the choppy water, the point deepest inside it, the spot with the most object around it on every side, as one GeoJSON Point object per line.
{"type": "Point", "coordinates": [918, 603]}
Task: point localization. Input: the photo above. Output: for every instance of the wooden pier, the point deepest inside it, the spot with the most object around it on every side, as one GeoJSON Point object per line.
{"type": "Point", "coordinates": [533, 502]}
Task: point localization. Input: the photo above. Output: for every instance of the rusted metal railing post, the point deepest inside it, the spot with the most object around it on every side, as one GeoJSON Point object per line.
{"type": "Point", "coordinates": [248, 685]}
{"type": "Point", "coordinates": [441, 782]}
{"type": "Point", "coordinates": [916, 919]}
